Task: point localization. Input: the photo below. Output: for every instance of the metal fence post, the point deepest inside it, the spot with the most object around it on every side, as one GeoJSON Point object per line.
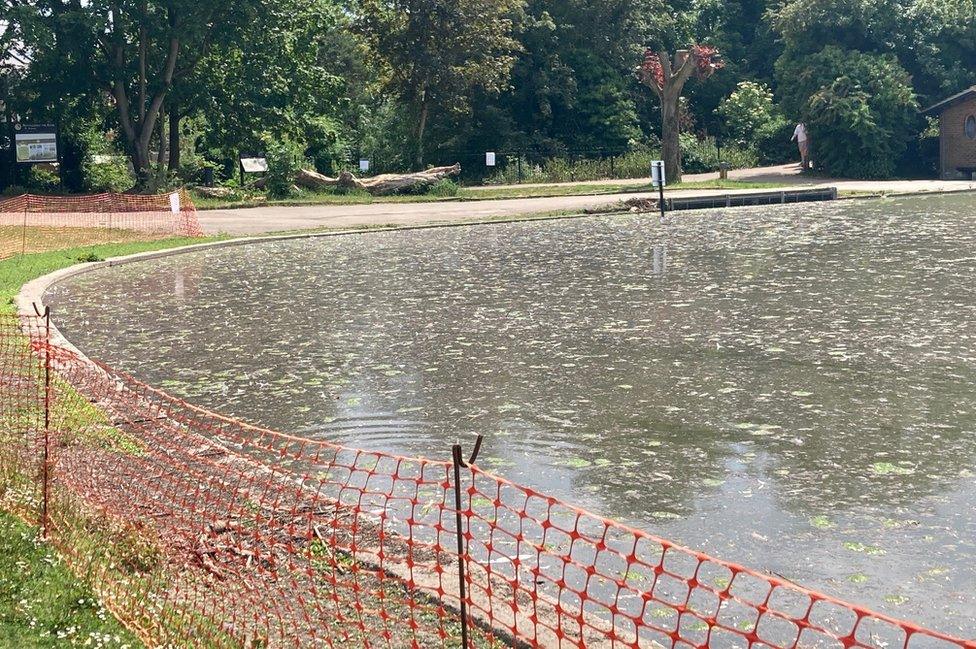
{"type": "Point", "coordinates": [45, 468]}
{"type": "Point", "coordinates": [462, 546]}
{"type": "Point", "coordinates": [23, 236]}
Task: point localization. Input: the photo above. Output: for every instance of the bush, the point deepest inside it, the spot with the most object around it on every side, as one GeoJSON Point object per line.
{"type": "Point", "coordinates": [859, 108]}
{"type": "Point", "coordinates": [444, 189]}
{"type": "Point", "coordinates": [772, 142]}
{"type": "Point", "coordinates": [751, 117]}
{"type": "Point", "coordinates": [632, 164]}
{"type": "Point", "coordinates": [109, 174]}
{"type": "Point", "coordinates": [702, 156]}
{"type": "Point", "coordinates": [327, 149]}
{"type": "Point", "coordinates": [747, 110]}
{"type": "Point", "coordinates": [42, 180]}
{"type": "Point", "coordinates": [285, 159]}
{"type": "Point", "coordinates": [92, 164]}
{"type": "Point", "coordinates": [160, 180]}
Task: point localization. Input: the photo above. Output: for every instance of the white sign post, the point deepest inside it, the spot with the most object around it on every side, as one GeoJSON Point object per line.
{"type": "Point", "coordinates": [363, 165]}
{"type": "Point", "coordinates": [659, 179]}
{"type": "Point", "coordinates": [253, 165]}
{"type": "Point", "coordinates": [490, 159]}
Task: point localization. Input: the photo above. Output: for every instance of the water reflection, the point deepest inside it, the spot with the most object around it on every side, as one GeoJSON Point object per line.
{"type": "Point", "coordinates": [660, 259]}
{"type": "Point", "coordinates": [790, 388]}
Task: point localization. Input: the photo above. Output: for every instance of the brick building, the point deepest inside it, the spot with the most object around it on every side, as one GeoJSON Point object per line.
{"type": "Point", "coordinates": [957, 134]}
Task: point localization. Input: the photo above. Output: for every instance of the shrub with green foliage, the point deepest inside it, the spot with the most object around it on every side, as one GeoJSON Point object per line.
{"type": "Point", "coordinates": [327, 148]}
{"type": "Point", "coordinates": [286, 158]}
{"type": "Point", "coordinates": [41, 180]}
{"type": "Point", "coordinates": [752, 117]}
{"type": "Point", "coordinates": [444, 189]}
{"type": "Point", "coordinates": [749, 108]}
{"type": "Point", "coordinates": [859, 108]}
{"type": "Point", "coordinates": [92, 163]}
{"type": "Point", "coordinates": [702, 156]}
{"type": "Point", "coordinates": [633, 164]}
{"type": "Point", "coordinates": [109, 174]}
{"type": "Point", "coordinates": [773, 142]}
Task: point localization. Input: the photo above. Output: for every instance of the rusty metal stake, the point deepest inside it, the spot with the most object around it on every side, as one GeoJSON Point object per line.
{"type": "Point", "coordinates": [462, 549]}
{"type": "Point", "coordinates": [45, 470]}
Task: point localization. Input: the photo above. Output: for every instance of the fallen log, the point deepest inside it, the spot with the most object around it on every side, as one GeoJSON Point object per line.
{"type": "Point", "coordinates": [214, 192]}
{"type": "Point", "coordinates": [309, 179]}
{"type": "Point", "coordinates": [383, 185]}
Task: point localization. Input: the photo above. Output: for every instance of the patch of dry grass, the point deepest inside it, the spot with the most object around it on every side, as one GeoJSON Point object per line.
{"type": "Point", "coordinates": [18, 240]}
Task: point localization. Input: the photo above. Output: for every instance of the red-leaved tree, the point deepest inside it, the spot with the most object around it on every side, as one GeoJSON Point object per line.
{"type": "Point", "coordinates": [667, 78]}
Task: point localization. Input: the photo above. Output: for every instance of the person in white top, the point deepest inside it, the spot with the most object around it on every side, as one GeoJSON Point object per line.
{"type": "Point", "coordinates": [802, 141]}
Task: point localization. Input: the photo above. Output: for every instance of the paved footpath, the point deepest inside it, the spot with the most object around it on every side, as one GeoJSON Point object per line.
{"type": "Point", "coordinates": [261, 220]}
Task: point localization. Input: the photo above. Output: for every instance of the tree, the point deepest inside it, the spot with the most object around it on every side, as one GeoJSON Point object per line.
{"type": "Point", "coordinates": [435, 53]}
{"type": "Point", "coordinates": [135, 50]}
{"type": "Point", "coordinates": [667, 78]}
{"type": "Point", "coordinates": [860, 109]}
{"type": "Point", "coordinates": [147, 47]}
{"type": "Point", "coordinates": [572, 82]}
{"type": "Point", "coordinates": [934, 40]}
{"type": "Point", "coordinates": [272, 83]}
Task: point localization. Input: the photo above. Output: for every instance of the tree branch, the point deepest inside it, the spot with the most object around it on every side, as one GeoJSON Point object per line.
{"type": "Point", "coordinates": [143, 55]}
{"type": "Point", "coordinates": [665, 60]}
{"type": "Point", "coordinates": [152, 114]}
{"type": "Point", "coordinates": [687, 68]}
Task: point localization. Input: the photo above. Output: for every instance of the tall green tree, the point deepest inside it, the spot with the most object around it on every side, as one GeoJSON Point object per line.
{"type": "Point", "coordinates": [572, 83]}
{"type": "Point", "coordinates": [436, 53]}
{"type": "Point", "coordinates": [859, 107]}
{"type": "Point", "coordinates": [135, 50]}
{"type": "Point", "coordinates": [273, 83]}
{"type": "Point", "coordinates": [884, 57]}
{"type": "Point", "coordinates": [933, 40]}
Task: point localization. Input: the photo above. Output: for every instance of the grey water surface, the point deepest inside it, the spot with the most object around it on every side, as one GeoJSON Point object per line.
{"type": "Point", "coordinates": [789, 388]}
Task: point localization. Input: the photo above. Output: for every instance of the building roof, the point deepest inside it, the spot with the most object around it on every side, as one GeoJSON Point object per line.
{"type": "Point", "coordinates": [968, 93]}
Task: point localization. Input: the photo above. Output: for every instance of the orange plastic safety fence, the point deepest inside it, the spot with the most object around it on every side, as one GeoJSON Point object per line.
{"type": "Point", "coordinates": [32, 223]}
{"type": "Point", "coordinates": [200, 530]}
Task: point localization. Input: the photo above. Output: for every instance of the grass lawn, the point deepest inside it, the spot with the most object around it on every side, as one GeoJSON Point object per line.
{"type": "Point", "coordinates": [42, 604]}
{"type": "Point", "coordinates": [467, 194]}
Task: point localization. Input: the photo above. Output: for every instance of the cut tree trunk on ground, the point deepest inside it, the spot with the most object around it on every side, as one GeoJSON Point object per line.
{"type": "Point", "coordinates": [214, 192]}
{"type": "Point", "coordinates": [380, 185]}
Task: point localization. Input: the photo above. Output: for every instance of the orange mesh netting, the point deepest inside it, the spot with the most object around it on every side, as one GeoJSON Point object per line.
{"type": "Point", "coordinates": [196, 529]}
{"type": "Point", "coordinates": [32, 223]}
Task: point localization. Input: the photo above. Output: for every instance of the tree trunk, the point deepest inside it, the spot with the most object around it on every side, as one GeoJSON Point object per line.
{"type": "Point", "coordinates": [383, 185]}
{"type": "Point", "coordinates": [163, 140]}
{"type": "Point", "coordinates": [670, 136]}
{"type": "Point", "coordinates": [139, 125]}
{"type": "Point", "coordinates": [421, 132]}
{"type": "Point", "coordinates": [667, 82]}
{"type": "Point", "coordinates": [141, 161]}
{"type": "Point", "coordinates": [174, 140]}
